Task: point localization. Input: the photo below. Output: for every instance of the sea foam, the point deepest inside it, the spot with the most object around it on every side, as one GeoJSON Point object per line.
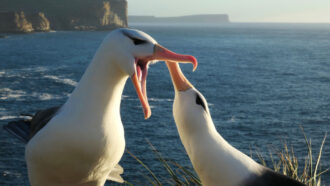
{"type": "Point", "coordinates": [45, 96]}
{"type": "Point", "coordinates": [14, 117]}
{"type": "Point", "coordinates": [66, 81]}
{"type": "Point", "coordinates": [7, 93]}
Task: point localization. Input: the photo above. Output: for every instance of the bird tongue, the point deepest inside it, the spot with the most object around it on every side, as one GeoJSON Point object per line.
{"type": "Point", "coordinates": [142, 71]}
{"type": "Point", "coordinates": [140, 83]}
{"type": "Point", "coordinates": [144, 82]}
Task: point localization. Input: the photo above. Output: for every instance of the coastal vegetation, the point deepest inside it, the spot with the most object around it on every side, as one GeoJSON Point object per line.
{"type": "Point", "coordinates": [305, 168]}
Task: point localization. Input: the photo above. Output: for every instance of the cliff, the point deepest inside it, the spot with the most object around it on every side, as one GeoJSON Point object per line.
{"type": "Point", "coordinates": [204, 18]}
{"type": "Point", "coordinates": [44, 15]}
{"type": "Point", "coordinates": [18, 22]}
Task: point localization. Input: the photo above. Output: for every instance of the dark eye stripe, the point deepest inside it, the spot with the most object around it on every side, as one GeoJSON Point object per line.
{"type": "Point", "coordinates": [200, 102]}
{"type": "Point", "coordinates": [136, 41]}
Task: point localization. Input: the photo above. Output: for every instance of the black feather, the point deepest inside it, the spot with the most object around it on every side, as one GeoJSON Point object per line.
{"type": "Point", "coordinates": [271, 178]}
{"type": "Point", "coordinates": [199, 101]}
{"type": "Point", "coordinates": [26, 129]}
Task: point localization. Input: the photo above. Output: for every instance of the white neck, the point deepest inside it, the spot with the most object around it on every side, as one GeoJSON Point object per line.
{"type": "Point", "coordinates": [214, 159]}
{"type": "Point", "coordinates": [98, 94]}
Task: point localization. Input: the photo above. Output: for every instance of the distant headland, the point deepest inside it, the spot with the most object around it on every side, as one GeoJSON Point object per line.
{"type": "Point", "coordinates": [203, 18]}
{"type": "Point", "coordinates": [26, 16]}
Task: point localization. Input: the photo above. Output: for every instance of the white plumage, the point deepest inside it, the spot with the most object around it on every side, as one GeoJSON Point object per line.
{"type": "Point", "coordinates": [216, 162]}
{"type": "Point", "coordinates": [84, 141]}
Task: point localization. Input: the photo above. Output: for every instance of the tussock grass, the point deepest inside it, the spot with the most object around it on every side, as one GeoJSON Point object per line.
{"type": "Point", "coordinates": [283, 161]}
{"type": "Point", "coordinates": [287, 163]}
{"type": "Point", "coordinates": [177, 174]}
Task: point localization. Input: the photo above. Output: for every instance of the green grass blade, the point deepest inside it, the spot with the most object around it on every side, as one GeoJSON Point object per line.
{"type": "Point", "coordinates": [146, 167]}
{"type": "Point", "coordinates": [319, 155]}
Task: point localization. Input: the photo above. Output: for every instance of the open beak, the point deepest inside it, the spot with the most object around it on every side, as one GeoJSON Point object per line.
{"type": "Point", "coordinates": [139, 78]}
{"type": "Point", "coordinates": [180, 82]}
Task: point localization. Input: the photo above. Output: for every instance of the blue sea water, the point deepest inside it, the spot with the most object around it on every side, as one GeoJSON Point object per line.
{"type": "Point", "coordinates": [262, 82]}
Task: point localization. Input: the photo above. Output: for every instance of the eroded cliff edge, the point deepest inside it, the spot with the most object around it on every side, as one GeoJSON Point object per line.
{"type": "Point", "coordinates": [25, 16]}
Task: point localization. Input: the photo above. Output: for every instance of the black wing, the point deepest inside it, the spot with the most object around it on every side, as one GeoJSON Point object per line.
{"type": "Point", "coordinates": [26, 129]}
{"type": "Point", "coordinates": [271, 178]}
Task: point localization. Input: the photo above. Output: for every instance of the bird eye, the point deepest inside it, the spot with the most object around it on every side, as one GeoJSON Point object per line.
{"type": "Point", "coordinates": [200, 102]}
{"type": "Point", "coordinates": [138, 41]}
{"type": "Point", "coordinates": [135, 40]}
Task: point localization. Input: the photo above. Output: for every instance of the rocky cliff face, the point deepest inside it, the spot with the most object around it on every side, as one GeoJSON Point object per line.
{"type": "Point", "coordinates": [43, 15]}
{"type": "Point", "coordinates": [39, 22]}
{"type": "Point", "coordinates": [19, 22]}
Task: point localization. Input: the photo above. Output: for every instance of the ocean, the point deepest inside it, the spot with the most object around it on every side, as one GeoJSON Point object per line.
{"type": "Point", "coordinates": [263, 83]}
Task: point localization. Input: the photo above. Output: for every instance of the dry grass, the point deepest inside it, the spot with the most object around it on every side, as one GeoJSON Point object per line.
{"type": "Point", "coordinates": [285, 162]}
{"type": "Point", "coordinates": [177, 174]}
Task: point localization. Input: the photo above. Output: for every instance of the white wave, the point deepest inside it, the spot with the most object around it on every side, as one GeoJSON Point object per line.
{"type": "Point", "coordinates": [45, 96]}
{"type": "Point", "coordinates": [151, 106]}
{"type": "Point", "coordinates": [124, 96]}
{"type": "Point", "coordinates": [14, 117]}
{"type": "Point", "coordinates": [232, 119]}
{"type": "Point", "coordinates": [40, 69]}
{"type": "Point", "coordinates": [160, 100]}
{"type": "Point", "coordinates": [7, 173]}
{"type": "Point", "coordinates": [7, 117]}
{"type": "Point", "coordinates": [11, 74]}
{"type": "Point", "coordinates": [32, 69]}
{"type": "Point", "coordinates": [62, 80]}
{"type": "Point", "coordinates": [150, 99]}
{"type": "Point", "coordinates": [7, 93]}
{"type": "Point", "coordinates": [22, 72]}
{"type": "Point", "coordinates": [132, 99]}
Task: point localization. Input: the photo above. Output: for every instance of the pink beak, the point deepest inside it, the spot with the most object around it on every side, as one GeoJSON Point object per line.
{"type": "Point", "coordinates": [139, 77]}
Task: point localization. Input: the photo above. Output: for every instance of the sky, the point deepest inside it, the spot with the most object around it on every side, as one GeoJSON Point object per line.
{"type": "Point", "coordinates": [310, 11]}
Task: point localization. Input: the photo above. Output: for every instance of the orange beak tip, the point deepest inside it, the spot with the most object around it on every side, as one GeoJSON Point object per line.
{"type": "Point", "coordinates": [147, 114]}
{"type": "Point", "coordinates": [195, 66]}
{"type": "Point", "coordinates": [195, 63]}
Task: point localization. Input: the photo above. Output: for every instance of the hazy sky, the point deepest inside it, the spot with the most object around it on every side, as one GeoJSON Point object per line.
{"type": "Point", "coordinates": [238, 10]}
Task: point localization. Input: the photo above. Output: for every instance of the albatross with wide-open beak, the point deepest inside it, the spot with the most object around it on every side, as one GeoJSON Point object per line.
{"type": "Point", "coordinates": [141, 70]}
{"type": "Point", "coordinates": [81, 142]}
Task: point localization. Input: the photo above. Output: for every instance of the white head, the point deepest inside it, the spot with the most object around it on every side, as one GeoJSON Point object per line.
{"type": "Point", "coordinates": [133, 50]}
{"type": "Point", "coordinates": [190, 108]}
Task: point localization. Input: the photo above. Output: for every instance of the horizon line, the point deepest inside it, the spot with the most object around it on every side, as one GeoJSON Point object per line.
{"type": "Point", "coordinates": [231, 21]}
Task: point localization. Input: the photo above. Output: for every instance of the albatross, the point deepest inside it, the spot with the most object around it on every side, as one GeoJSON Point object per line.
{"type": "Point", "coordinates": [216, 162]}
{"type": "Point", "coordinates": [81, 143]}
